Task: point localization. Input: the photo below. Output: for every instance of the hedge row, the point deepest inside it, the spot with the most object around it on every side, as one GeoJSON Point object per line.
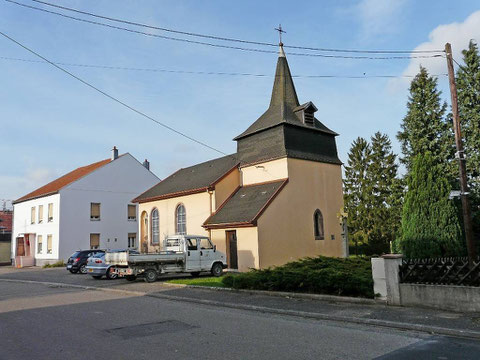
{"type": "Point", "coordinates": [320, 275]}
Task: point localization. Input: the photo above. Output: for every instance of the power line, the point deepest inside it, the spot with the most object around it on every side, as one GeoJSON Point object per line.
{"type": "Point", "coordinates": [214, 37]}
{"type": "Point", "coordinates": [210, 72]}
{"type": "Point", "coordinates": [220, 45]}
{"type": "Point", "coordinates": [112, 97]}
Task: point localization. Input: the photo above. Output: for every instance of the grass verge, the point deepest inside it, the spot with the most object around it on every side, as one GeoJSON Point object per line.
{"type": "Point", "coordinates": [200, 281]}
{"type": "Point", "coordinates": [54, 265]}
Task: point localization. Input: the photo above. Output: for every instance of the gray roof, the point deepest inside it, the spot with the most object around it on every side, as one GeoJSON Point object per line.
{"type": "Point", "coordinates": [246, 205]}
{"type": "Point", "coordinates": [283, 102]}
{"type": "Point", "coordinates": [195, 177]}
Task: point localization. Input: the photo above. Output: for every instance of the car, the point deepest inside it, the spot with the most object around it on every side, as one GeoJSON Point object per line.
{"type": "Point", "coordinates": [78, 261]}
{"type": "Point", "coordinates": [97, 268]}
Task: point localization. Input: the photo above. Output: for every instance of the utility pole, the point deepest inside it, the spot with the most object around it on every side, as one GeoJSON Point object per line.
{"type": "Point", "coordinates": [467, 214]}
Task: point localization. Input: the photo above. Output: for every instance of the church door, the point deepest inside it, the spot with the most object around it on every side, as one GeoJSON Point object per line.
{"type": "Point", "coordinates": [232, 256]}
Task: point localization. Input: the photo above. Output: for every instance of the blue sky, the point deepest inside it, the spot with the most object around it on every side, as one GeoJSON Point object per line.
{"type": "Point", "coordinates": [51, 124]}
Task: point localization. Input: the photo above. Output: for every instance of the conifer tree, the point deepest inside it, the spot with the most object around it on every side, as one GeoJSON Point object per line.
{"type": "Point", "coordinates": [468, 87]}
{"type": "Point", "coordinates": [384, 194]}
{"type": "Point", "coordinates": [425, 128]}
{"type": "Point", "coordinates": [430, 226]}
{"type": "Point", "coordinates": [356, 191]}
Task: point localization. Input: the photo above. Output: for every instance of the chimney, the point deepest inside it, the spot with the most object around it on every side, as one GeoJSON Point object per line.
{"type": "Point", "coordinates": [114, 153]}
{"type": "Point", "coordinates": [146, 163]}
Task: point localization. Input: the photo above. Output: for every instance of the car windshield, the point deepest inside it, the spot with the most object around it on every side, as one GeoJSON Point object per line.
{"type": "Point", "coordinates": [75, 254]}
{"type": "Point", "coordinates": [99, 255]}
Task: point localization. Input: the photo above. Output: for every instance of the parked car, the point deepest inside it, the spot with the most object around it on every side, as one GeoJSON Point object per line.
{"type": "Point", "coordinates": [97, 267]}
{"type": "Point", "coordinates": [78, 261]}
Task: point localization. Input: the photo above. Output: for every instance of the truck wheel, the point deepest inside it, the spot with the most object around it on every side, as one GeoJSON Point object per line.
{"type": "Point", "coordinates": [217, 269]}
{"type": "Point", "coordinates": [130, 277]}
{"type": "Point", "coordinates": [195, 273]}
{"type": "Point", "coordinates": [151, 275]}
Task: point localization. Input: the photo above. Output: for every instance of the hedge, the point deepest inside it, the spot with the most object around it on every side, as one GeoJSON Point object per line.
{"type": "Point", "coordinates": [320, 275]}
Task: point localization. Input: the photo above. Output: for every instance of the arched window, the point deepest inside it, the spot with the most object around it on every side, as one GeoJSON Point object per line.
{"type": "Point", "coordinates": [318, 225]}
{"type": "Point", "coordinates": [180, 220]}
{"type": "Point", "coordinates": [155, 227]}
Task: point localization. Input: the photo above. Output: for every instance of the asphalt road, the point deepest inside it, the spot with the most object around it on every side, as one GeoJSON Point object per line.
{"type": "Point", "coordinates": [38, 321]}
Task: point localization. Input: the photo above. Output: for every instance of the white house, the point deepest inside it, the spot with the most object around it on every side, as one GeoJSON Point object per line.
{"type": "Point", "coordinates": [90, 207]}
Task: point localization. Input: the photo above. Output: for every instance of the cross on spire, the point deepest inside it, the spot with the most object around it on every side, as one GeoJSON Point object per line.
{"type": "Point", "coordinates": [280, 31]}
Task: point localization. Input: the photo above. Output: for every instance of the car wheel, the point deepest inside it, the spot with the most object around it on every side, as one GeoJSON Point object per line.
{"type": "Point", "coordinates": [73, 271]}
{"type": "Point", "coordinates": [195, 273]}
{"type": "Point", "coordinates": [97, 277]}
{"type": "Point", "coordinates": [111, 274]}
{"type": "Point", "coordinates": [217, 269]}
{"type": "Point", "coordinates": [151, 275]}
{"type": "Point", "coordinates": [130, 277]}
{"type": "Point", "coordinates": [83, 269]}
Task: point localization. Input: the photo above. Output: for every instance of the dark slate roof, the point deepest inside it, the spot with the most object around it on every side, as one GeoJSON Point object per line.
{"type": "Point", "coordinates": [195, 177]}
{"type": "Point", "coordinates": [283, 102]}
{"type": "Point", "coordinates": [246, 205]}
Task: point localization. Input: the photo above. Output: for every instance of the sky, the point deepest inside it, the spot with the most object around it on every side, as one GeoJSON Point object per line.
{"type": "Point", "coordinates": [50, 123]}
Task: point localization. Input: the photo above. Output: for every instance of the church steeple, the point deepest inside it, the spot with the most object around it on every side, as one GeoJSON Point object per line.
{"type": "Point", "coordinates": [283, 92]}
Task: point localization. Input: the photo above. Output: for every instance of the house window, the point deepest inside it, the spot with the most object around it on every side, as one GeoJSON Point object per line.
{"type": "Point", "coordinates": [132, 240]}
{"type": "Point", "coordinates": [50, 212]}
{"type": "Point", "coordinates": [32, 216]}
{"type": "Point", "coordinates": [40, 214]}
{"type": "Point", "coordinates": [155, 227]}
{"type": "Point", "coordinates": [39, 244]}
{"type": "Point", "coordinates": [180, 220]}
{"type": "Point", "coordinates": [94, 241]}
{"type": "Point", "coordinates": [49, 244]}
{"type": "Point", "coordinates": [132, 212]}
{"type": "Point", "coordinates": [318, 225]}
{"type": "Point", "coordinates": [94, 211]}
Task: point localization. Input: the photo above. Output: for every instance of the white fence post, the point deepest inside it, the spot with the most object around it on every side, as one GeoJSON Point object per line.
{"type": "Point", "coordinates": [386, 280]}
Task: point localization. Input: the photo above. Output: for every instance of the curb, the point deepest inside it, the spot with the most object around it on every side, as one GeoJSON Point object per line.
{"type": "Point", "coordinates": [303, 314]}
{"type": "Point", "coordinates": [293, 295]}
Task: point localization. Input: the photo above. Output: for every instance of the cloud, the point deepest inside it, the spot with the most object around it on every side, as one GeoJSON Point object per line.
{"type": "Point", "coordinates": [457, 34]}
{"type": "Point", "coordinates": [378, 16]}
{"type": "Point", "coordinates": [13, 187]}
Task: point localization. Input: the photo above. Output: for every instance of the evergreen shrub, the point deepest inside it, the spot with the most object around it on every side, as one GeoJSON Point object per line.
{"type": "Point", "coordinates": [320, 275]}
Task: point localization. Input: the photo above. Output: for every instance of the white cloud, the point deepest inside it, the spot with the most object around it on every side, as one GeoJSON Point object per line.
{"type": "Point", "coordinates": [13, 187]}
{"type": "Point", "coordinates": [457, 34]}
{"type": "Point", "coordinates": [379, 16]}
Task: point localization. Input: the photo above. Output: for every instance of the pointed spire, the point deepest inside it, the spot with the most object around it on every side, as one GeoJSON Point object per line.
{"type": "Point", "coordinates": [283, 92]}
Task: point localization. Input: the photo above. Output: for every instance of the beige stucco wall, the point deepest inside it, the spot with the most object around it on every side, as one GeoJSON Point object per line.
{"type": "Point", "coordinates": [285, 229]}
{"type": "Point", "coordinates": [247, 246]}
{"type": "Point", "coordinates": [267, 171]}
{"type": "Point", "coordinates": [225, 187]}
{"type": "Point", "coordinates": [197, 207]}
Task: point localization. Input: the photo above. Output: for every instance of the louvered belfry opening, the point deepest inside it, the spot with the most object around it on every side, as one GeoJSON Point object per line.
{"type": "Point", "coordinates": [308, 117]}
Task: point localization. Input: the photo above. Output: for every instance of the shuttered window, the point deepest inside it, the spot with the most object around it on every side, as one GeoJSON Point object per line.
{"type": "Point", "coordinates": [49, 244]}
{"type": "Point", "coordinates": [94, 211]}
{"type": "Point", "coordinates": [132, 212]}
{"type": "Point", "coordinates": [132, 240]}
{"type": "Point", "coordinates": [94, 241]}
{"type": "Point", "coordinates": [39, 244]}
{"type": "Point", "coordinates": [50, 212]}
{"type": "Point", "coordinates": [40, 214]}
{"type": "Point", "coordinates": [32, 216]}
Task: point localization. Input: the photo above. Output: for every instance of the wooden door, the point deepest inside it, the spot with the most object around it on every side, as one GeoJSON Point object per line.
{"type": "Point", "coordinates": [232, 256]}
{"type": "Point", "coordinates": [20, 246]}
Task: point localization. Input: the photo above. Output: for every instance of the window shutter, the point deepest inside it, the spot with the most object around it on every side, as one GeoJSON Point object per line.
{"type": "Point", "coordinates": [40, 213]}
{"type": "Point", "coordinates": [32, 217]}
{"type": "Point", "coordinates": [94, 210]}
{"type": "Point", "coordinates": [40, 244]}
{"type": "Point", "coordinates": [132, 212]}
{"type": "Point", "coordinates": [94, 241]}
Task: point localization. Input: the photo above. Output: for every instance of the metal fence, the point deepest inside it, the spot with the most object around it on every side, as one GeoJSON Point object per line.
{"type": "Point", "coordinates": [442, 271]}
